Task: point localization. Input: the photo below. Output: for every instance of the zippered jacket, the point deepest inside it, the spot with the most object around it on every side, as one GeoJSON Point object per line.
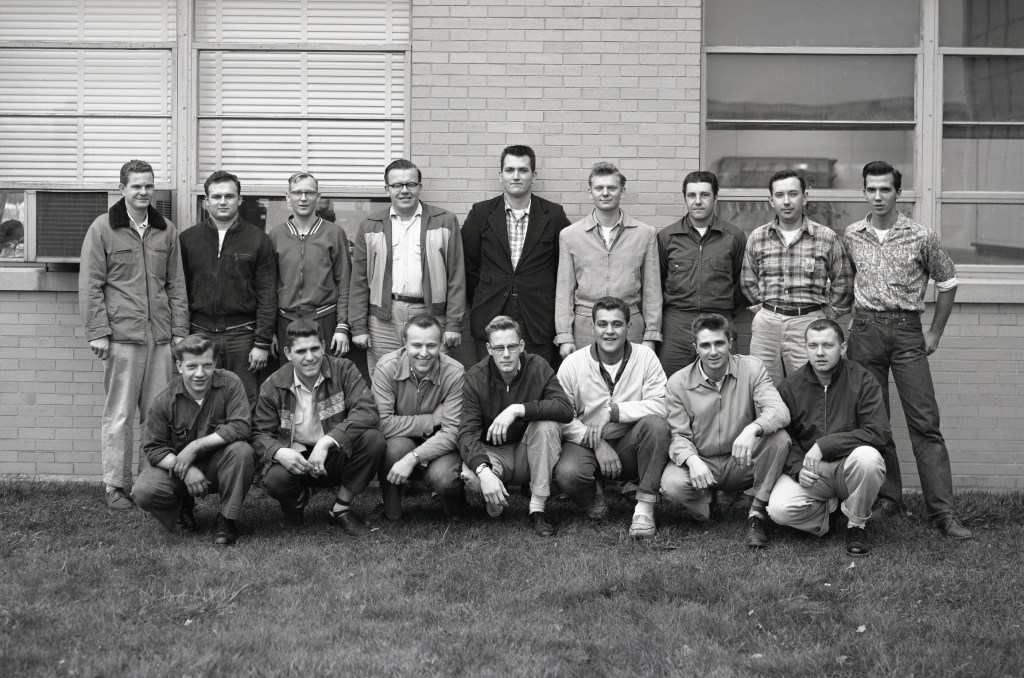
{"type": "Point", "coordinates": [313, 271]}
{"type": "Point", "coordinates": [701, 275]}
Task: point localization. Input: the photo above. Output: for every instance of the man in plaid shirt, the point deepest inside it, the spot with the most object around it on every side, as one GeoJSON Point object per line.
{"type": "Point", "coordinates": [794, 272]}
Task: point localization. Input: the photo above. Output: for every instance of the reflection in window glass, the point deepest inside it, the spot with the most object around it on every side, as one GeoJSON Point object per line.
{"type": "Point", "coordinates": [983, 89]}
{"type": "Point", "coordinates": [984, 234]}
{"type": "Point", "coordinates": [748, 215]}
{"type": "Point", "coordinates": [791, 87]}
{"type": "Point", "coordinates": [266, 212]}
{"type": "Point", "coordinates": [983, 158]}
{"type": "Point", "coordinates": [981, 23]}
{"type": "Point", "coordinates": [12, 224]}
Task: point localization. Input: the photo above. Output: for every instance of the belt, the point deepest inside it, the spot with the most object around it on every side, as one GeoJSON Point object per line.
{"type": "Point", "coordinates": [792, 310]}
{"type": "Point", "coordinates": [868, 313]}
{"type": "Point", "coordinates": [407, 299]}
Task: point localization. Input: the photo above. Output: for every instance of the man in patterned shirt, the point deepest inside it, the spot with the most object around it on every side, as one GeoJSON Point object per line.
{"type": "Point", "coordinates": [893, 258]}
{"type": "Point", "coordinates": [794, 272]}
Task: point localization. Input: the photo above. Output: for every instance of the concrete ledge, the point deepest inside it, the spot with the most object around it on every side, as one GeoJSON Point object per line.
{"type": "Point", "coordinates": [38, 278]}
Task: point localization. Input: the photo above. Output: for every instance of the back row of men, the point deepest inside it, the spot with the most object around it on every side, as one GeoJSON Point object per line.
{"type": "Point", "coordinates": [143, 288]}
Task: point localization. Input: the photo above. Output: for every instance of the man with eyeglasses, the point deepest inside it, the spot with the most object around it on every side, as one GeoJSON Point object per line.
{"type": "Point", "coordinates": [230, 275]}
{"type": "Point", "coordinates": [511, 248]}
{"type": "Point", "coordinates": [512, 406]}
{"type": "Point", "coordinates": [313, 267]}
{"type": "Point", "coordinates": [407, 261]}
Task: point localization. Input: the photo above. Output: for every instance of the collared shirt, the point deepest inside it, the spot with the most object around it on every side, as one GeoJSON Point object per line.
{"type": "Point", "coordinates": [308, 429]}
{"type": "Point", "coordinates": [892, 275]}
{"type": "Point", "coordinates": [406, 253]}
{"type": "Point", "coordinates": [812, 270]}
{"type": "Point", "coordinates": [140, 226]}
{"type": "Point", "coordinates": [517, 221]}
{"type": "Point", "coordinates": [711, 382]}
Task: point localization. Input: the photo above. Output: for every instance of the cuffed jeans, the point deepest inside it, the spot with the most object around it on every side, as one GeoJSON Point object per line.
{"type": "Point", "coordinates": [352, 471]}
{"type": "Point", "coordinates": [441, 474]}
{"type": "Point", "coordinates": [769, 457]}
{"type": "Point", "coordinates": [778, 340]}
{"type": "Point", "coordinates": [229, 470]}
{"type": "Point", "coordinates": [386, 335]}
{"type": "Point", "coordinates": [232, 354]}
{"type": "Point", "coordinates": [643, 453]}
{"type": "Point", "coordinates": [531, 459]}
{"type": "Point", "coordinates": [133, 375]}
{"type": "Point", "coordinates": [854, 480]}
{"type": "Point", "coordinates": [894, 341]}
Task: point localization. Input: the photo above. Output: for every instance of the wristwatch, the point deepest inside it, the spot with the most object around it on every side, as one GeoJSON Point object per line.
{"type": "Point", "coordinates": [481, 467]}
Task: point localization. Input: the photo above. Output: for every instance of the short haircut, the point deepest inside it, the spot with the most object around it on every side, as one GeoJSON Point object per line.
{"type": "Point", "coordinates": [196, 344]}
{"type": "Point", "coordinates": [787, 174]}
{"type": "Point", "coordinates": [219, 176]}
{"type": "Point", "coordinates": [302, 328]}
{"type": "Point", "coordinates": [610, 304]}
{"type": "Point", "coordinates": [713, 322]}
{"type": "Point", "coordinates": [518, 151]}
{"type": "Point", "coordinates": [604, 169]}
{"type": "Point", "coordinates": [402, 164]}
{"type": "Point", "coordinates": [424, 321]}
{"type": "Point", "coordinates": [878, 168]}
{"type": "Point", "coordinates": [501, 323]}
{"type": "Point", "coordinates": [701, 177]}
{"type": "Point", "coordinates": [135, 167]}
{"type": "Point", "coordinates": [822, 324]}
{"type": "Point", "coordinates": [299, 176]}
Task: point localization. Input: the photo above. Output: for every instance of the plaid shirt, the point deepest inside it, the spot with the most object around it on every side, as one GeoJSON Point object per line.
{"type": "Point", "coordinates": [893, 275]}
{"type": "Point", "coordinates": [813, 270]}
{"type": "Point", "coordinates": [516, 232]}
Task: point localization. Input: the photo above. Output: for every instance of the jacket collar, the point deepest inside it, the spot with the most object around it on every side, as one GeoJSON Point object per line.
{"type": "Point", "coordinates": [809, 375]}
{"type": "Point", "coordinates": [238, 224]}
{"type": "Point", "coordinates": [218, 380]}
{"type": "Point", "coordinates": [901, 222]}
{"type": "Point", "coordinates": [626, 221]}
{"type": "Point", "coordinates": [405, 369]}
{"type": "Point", "coordinates": [693, 378]}
{"type": "Point", "coordinates": [284, 377]}
{"type": "Point", "coordinates": [118, 216]}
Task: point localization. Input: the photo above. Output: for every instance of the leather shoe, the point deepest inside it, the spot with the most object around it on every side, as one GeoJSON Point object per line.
{"type": "Point", "coordinates": [755, 537]}
{"type": "Point", "coordinates": [350, 522]}
{"type": "Point", "coordinates": [952, 528]}
{"type": "Point", "coordinates": [187, 517]}
{"type": "Point", "coordinates": [857, 542]}
{"type": "Point", "coordinates": [541, 526]}
{"type": "Point", "coordinates": [117, 499]}
{"type": "Point", "coordinates": [226, 533]}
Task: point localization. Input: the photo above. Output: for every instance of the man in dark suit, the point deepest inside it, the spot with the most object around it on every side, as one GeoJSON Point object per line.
{"type": "Point", "coordinates": [510, 245]}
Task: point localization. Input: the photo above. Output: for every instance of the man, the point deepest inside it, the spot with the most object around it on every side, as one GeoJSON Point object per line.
{"type": "Point", "coordinates": [511, 409]}
{"type": "Point", "coordinates": [230, 273]}
{"type": "Point", "coordinates": [315, 427]}
{"type": "Point", "coordinates": [133, 301]}
{"type": "Point", "coordinates": [197, 442]}
{"type": "Point", "coordinates": [313, 267]}
{"type": "Point", "coordinates": [794, 272]}
{"type": "Point", "coordinates": [407, 261]}
{"type": "Point", "coordinates": [418, 391]}
{"type": "Point", "coordinates": [607, 253]}
{"type": "Point", "coordinates": [728, 429]}
{"type": "Point", "coordinates": [701, 256]}
{"type": "Point", "coordinates": [619, 431]}
{"type": "Point", "coordinates": [838, 424]}
{"type": "Point", "coordinates": [893, 257]}
{"type": "Point", "coordinates": [511, 249]}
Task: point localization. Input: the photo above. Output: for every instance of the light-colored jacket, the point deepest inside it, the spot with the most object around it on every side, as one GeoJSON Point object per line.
{"type": "Point", "coordinates": [705, 421]}
{"type": "Point", "coordinates": [130, 286]}
{"type": "Point", "coordinates": [588, 270]}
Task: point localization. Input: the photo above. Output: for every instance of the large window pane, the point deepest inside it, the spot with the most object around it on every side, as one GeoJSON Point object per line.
{"type": "Point", "coordinates": [984, 234]}
{"type": "Point", "coordinates": [983, 157]}
{"type": "Point", "coordinates": [749, 214]}
{"type": "Point", "coordinates": [836, 23]}
{"type": "Point", "coordinates": [12, 224]}
{"type": "Point", "coordinates": [268, 211]}
{"type": "Point", "coordinates": [792, 87]}
{"type": "Point", "coordinates": [983, 89]}
{"type": "Point", "coordinates": [981, 23]}
{"type": "Point", "coordinates": [747, 158]}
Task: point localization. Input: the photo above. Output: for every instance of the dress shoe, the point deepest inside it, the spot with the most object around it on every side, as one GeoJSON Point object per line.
{"type": "Point", "coordinates": [350, 522]}
{"type": "Point", "coordinates": [952, 528]}
{"type": "Point", "coordinates": [187, 517]}
{"type": "Point", "coordinates": [642, 527]}
{"type": "Point", "coordinates": [598, 509]}
{"type": "Point", "coordinates": [755, 537]}
{"type": "Point", "coordinates": [541, 526]}
{"type": "Point", "coordinates": [117, 499]}
{"type": "Point", "coordinates": [857, 542]}
{"type": "Point", "coordinates": [226, 533]}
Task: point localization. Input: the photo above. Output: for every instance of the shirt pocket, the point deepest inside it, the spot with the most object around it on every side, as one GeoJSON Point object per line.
{"type": "Point", "coordinates": [682, 271]}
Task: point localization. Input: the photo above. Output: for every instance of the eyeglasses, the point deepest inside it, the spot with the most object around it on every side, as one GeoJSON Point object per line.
{"type": "Point", "coordinates": [500, 350]}
{"type": "Point", "coordinates": [299, 195]}
{"type": "Point", "coordinates": [409, 185]}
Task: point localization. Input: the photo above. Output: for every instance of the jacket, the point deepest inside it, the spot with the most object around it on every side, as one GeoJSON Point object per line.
{"type": "Point", "coordinates": [490, 278]}
{"type": "Point", "coordinates": [128, 284]}
{"type": "Point", "coordinates": [486, 395]}
{"type": "Point", "coordinates": [638, 390]}
{"type": "Point", "coordinates": [444, 271]}
{"type": "Point", "coordinates": [342, 400]}
{"type": "Point", "coordinates": [236, 285]}
{"type": "Point", "coordinates": [702, 275]}
{"type": "Point", "coordinates": [706, 422]}
{"type": "Point", "coordinates": [313, 272]}
{"type": "Point", "coordinates": [849, 413]}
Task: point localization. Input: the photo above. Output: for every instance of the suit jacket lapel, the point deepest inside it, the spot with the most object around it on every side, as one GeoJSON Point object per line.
{"type": "Point", "coordinates": [500, 227]}
{"type": "Point", "coordinates": [538, 222]}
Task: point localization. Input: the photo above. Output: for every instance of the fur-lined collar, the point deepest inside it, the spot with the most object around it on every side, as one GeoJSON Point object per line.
{"type": "Point", "coordinates": [118, 215]}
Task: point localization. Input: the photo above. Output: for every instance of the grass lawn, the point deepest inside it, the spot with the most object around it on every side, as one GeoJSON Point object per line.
{"type": "Point", "coordinates": [87, 592]}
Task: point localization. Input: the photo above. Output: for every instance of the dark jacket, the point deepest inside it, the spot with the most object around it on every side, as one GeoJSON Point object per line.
{"type": "Point", "coordinates": [175, 419]}
{"type": "Point", "coordinates": [846, 415]}
{"type": "Point", "coordinates": [345, 405]}
{"type": "Point", "coordinates": [702, 274]}
{"type": "Point", "coordinates": [236, 286]}
{"type": "Point", "coordinates": [489, 274]}
{"type": "Point", "coordinates": [486, 395]}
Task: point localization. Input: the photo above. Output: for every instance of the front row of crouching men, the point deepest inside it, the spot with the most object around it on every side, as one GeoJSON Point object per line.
{"type": "Point", "coordinates": [718, 425]}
